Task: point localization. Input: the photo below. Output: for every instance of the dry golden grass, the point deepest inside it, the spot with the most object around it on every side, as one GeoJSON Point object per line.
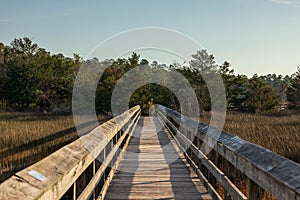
{"type": "Point", "coordinates": [279, 133]}
{"type": "Point", "coordinates": [28, 137]}
{"type": "Point", "coordinates": [21, 128]}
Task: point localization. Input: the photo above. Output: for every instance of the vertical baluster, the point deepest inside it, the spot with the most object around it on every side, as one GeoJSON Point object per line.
{"type": "Point", "coordinates": [94, 172]}
{"type": "Point", "coordinates": [226, 195]}
{"type": "Point", "coordinates": [255, 192]}
{"type": "Point", "coordinates": [74, 190]}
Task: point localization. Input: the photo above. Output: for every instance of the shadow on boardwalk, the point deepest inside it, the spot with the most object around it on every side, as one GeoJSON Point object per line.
{"type": "Point", "coordinates": [152, 168]}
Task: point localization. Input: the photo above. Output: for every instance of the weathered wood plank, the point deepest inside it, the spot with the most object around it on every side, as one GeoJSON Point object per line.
{"type": "Point", "coordinates": [214, 194]}
{"type": "Point", "coordinates": [63, 167]}
{"type": "Point", "coordinates": [88, 191]}
{"type": "Point", "coordinates": [167, 177]}
{"type": "Point", "coordinates": [219, 175]}
{"type": "Point", "coordinates": [275, 174]}
{"type": "Point", "coordinates": [254, 191]}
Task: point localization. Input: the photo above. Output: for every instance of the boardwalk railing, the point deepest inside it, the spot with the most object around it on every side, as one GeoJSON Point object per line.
{"type": "Point", "coordinates": [234, 168]}
{"type": "Point", "coordinates": [81, 169]}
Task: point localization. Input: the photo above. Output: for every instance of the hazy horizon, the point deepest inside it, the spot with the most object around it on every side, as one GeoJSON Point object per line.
{"type": "Point", "coordinates": [254, 36]}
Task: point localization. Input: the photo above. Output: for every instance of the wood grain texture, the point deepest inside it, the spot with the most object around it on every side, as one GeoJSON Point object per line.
{"type": "Point", "coordinates": [212, 168]}
{"type": "Point", "coordinates": [273, 173]}
{"type": "Point", "coordinates": [154, 168]}
{"type": "Point", "coordinates": [88, 191]}
{"type": "Point", "coordinates": [64, 166]}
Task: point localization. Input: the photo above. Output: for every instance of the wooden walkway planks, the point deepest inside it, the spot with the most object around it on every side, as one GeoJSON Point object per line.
{"type": "Point", "coordinates": [153, 168]}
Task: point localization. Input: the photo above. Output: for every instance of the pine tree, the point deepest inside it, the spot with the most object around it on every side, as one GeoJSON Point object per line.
{"type": "Point", "coordinates": [262, 96]}
{"type": "Point", "coordinates": [293, 92]}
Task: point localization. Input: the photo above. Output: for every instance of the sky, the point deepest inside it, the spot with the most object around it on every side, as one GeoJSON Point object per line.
{"type": "Point", "coordinates": [255, 36]}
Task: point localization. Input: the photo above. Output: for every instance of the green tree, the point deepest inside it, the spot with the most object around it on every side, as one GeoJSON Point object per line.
{"type": "Point", "coordinates": [33, 79]}
{"type": "Point", "coordinates": [293, 91]}
{"type": "Point", "coordinates": [228, 79]}
{"type": "Point", "coordinates": [202, 64]}
{"type": "Point", "coordinates": [110, 77]}
{"type": "Point", "coordinates": [24, 46]}
{"type": "Point", "coordinates": [55, 76]}
{"type": "Point", "coordinates": [236, 88]}
{"type": "Point", "coordinates": [262, 96]}
{"type": "Point", "coordinates": [20, 74]}
{"type": "Point", "coordinates": [240, 94]}
{"type": "Point", "coordinates": [279, 83]}
{"type": "Point", "coordinates": [4, 56]}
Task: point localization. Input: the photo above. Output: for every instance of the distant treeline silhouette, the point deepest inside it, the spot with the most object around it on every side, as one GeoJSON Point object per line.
{"type": "Point", "coordinates": [33, 79]}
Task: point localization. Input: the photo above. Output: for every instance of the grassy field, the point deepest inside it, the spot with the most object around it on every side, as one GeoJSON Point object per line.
{"type": "Point", "coordinates": [28, 137]}
{"type": "Point", "coordinates": [279, 133]}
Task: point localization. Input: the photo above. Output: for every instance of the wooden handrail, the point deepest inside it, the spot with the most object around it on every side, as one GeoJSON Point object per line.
{"type": "Point", "coordinates": [62, 174]}
{"type": "Point", "coordinates": [265, 170]}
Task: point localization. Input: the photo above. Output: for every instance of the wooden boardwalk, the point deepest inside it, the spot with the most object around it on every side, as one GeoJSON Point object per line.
{"type": "Point", "coordinates": [154, 168]}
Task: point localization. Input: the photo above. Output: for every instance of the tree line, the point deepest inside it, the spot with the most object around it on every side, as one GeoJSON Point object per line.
{"type": "Point", "coordinates": [33, 79]}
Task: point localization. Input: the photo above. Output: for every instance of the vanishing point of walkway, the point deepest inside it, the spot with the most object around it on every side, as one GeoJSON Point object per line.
{"type": "Point", "coordinates": [154, 168]}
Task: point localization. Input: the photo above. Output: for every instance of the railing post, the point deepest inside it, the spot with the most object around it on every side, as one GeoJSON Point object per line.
{"type": "Point", "coordinates": [104, 156]}
{"type": "Point", "coordinates": [255, 192]}
{"type": "Point", "coordinates": [226, 195]}
{"type": "Point", "coordinates": [212, 156]}
{"type": "Point", "coordinates": [94, 172]}
{"type": "Point", "coordinates": [74, 191]}
{"type": "Point", "coordinates": [111, 148]}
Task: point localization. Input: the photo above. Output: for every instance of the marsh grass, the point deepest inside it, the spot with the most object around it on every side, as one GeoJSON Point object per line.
{"type": "Point", "coordinates": [28, 137]}
{"type": "Point", "coordinates": [279, 132]}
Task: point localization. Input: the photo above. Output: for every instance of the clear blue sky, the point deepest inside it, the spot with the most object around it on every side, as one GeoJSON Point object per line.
{"type": "Point", "coordinates": [255, 36]}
